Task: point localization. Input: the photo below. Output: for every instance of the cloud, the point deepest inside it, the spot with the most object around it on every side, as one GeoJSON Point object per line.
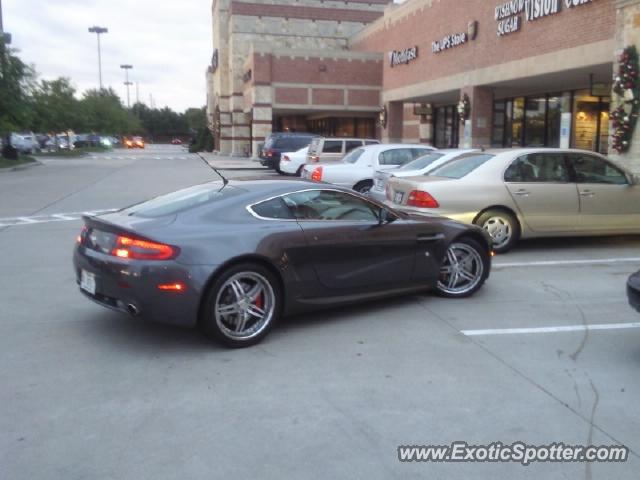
{"type": "Point", "coordinates": [168, 44]}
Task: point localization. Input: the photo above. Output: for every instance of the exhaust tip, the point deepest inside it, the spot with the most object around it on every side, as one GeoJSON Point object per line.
{"type": "Point", "coordinates": [133, 310]}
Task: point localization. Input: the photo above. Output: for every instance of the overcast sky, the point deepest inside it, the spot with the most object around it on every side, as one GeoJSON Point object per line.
{"type": "Point", "coordinates": [168, 44]}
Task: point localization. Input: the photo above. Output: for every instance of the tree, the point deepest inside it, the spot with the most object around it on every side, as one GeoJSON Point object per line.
{"type": "Point", "coordinates": [102, 111]}
{"type": "Point", "coordinates": [55, 107]}
{"type": "Point", "coordinates": [16, 84]}
{"type": "Point", "coordinates": [196, 118]}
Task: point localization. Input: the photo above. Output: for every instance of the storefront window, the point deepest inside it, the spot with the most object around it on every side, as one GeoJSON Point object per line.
{"type": "Point", "coordinates": [535, 121]}
{"type": "Point", "coordinates": [446, 128]}
{"type": "Point", "coordinates": [558, 104]}
{"type": "Point", "coordinates": [517, 118]}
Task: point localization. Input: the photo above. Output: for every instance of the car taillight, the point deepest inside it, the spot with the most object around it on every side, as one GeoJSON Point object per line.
{"type": "Point", "coordinates": [286, 159]}
{"type": "Point", "coordinates": [137, 249]}
{"type": "Point", "coordinates": [418, 198]}
{"type": "Point", "coordinates": [83, 232]}
{"type": "Point", "coordinates": [269, 153]}
{"type": "Point", "coordinates": [316, 176]}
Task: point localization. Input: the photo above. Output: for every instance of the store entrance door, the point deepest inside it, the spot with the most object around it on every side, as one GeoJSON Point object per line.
{"type": "Point", "coordinates": [591, 123]}
{"type": "Point", "coordinates": [447, 127]}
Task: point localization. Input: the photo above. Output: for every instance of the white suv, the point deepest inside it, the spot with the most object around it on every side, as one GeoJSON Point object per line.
{"type": "Point", "coordinates": [357, 168]}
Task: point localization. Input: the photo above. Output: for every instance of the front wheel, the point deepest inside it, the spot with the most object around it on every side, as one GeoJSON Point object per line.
{"type": "Point", "coordinates": [464, 269]}
{"type": "Point", "coordinates": [242, 305]}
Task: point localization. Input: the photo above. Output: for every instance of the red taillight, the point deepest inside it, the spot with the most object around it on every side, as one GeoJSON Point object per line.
{"type": "Point", "coordinates": [137, 249]}
{"type": "Point", "coordinates": [172, 287]}
{"type": "Point", "coordinates": [80, 238]}
{"type": "Point", "coordinates": [316, 176]}
{"type": "Point", "coordinates": [269, 153]}
{"type": "Point", "coordinates": [418, 198]}
{"type": "Point", "coordinates": [285, 158]}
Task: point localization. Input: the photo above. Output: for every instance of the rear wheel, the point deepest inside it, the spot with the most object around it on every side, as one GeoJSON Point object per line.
{"type": "Point", "coordinates": [464, 269]}
{"type": "Point", "coordinates": [299, 171]}
{"type": "Point", "coordinates": [364, 186]}
{"type": "Point", "coordinates": [241, 305]}
{"type": "Point", "coordinates": [503, 228]}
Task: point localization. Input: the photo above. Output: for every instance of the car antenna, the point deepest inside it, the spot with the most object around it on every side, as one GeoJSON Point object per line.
{"type": "Point", "coordinates": [224, 179]}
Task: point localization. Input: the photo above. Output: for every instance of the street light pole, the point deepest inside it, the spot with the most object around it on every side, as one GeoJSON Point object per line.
{"type": "Point", "coordinates": [98, 31]}
{"type": "Point", "coordinates": [126, 81]}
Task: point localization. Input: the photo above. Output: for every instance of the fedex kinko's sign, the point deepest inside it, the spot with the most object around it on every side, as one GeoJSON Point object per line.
{"type": "Point", "coordinates": [509, 14]}
{"type": "Point", "coordinates": [399, 57]}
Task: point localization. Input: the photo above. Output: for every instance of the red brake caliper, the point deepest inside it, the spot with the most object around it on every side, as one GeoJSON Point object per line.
{"type": "Point", "coordinates": [259, 301]}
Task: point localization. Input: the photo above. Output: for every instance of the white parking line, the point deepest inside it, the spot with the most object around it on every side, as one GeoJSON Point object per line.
{"type": "Point", "coordinates": [560, 263]}
{"type": "Point", "coordinates": [567, 328]}
{"type": "Point", "coordinates": [53, 217]}
{"type": "Point", "coordinates": [27, 220]}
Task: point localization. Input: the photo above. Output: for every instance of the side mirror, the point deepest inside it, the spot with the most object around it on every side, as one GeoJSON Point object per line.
{"type": "Point", "coordinates": [385, 216]}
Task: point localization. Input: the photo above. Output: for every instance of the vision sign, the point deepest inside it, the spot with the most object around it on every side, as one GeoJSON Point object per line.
{"type": "Point", "coordinates": [509, 14]}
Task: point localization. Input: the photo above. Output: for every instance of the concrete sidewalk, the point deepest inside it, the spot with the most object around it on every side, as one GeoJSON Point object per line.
{"type": "Point", "coordinates": [226, 162]}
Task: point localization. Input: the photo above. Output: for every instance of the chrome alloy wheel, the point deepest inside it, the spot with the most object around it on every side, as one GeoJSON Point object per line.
{"type": "Point", "coordinates": [244, 306]}
{"type": "Point", "coordinates": [461, 270]}
{"type": "Point", "coordinates": [500, 230]}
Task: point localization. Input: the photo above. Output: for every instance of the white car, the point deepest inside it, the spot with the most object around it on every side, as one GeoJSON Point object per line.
{"type": "Point", "coordinates": [357, 168]}
{"type": "Point", "coordinates": [293, 162]}
{"type": "Point", "coordinates": [420, 166]}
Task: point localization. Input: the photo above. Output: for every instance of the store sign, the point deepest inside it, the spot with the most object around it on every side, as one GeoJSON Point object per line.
{"type": "Point", "coordinates": [455, 39]}
{"type": "Point", "coordinates": [509, 14]}
{"type": "Point", "coordinates": [399, 57]}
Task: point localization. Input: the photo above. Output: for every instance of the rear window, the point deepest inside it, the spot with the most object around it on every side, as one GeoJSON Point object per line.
{"type": "Point", "coordinates": [422, 162]}
{"type": "Point", "coordinates": [175, 202]}
{"type": "Point", "coordinates": [353, 156]}
{"type": "Point", "coordinates": [461, 167]}
{"type": "Point", "coordinates": [332, 146]}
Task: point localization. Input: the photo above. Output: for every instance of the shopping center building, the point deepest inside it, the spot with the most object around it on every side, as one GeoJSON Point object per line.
{"type": "Point", "coordinates": [484, 73]}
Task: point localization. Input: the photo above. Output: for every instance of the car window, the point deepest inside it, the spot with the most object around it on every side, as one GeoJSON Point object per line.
{"type": "Point", "coordinates": [538, 167]}
{"type": "Point", "coordinates": [422, 162]}
{"type": "Point", "coordinates": [274, 208]}
{"type": "Point", "coordinates": [396, 156]}
{"type": "Point", "coordinates": [351, 144]}
{"type": "Point", "coordinates": [300, 142]}
{"type": "Point", "coordinates": [332, 146]}
{"type": "Point", "coordinates": [330, 205]}
{"type": "Point", "coordinates": [372, 142]}
{"type": "Point", "coordinates": [353, 155]}
{"type": "Point", "coordinates": [461, 167]}
{"type": "Point", "coordinates": [590, 169]}
{"type": "Point", "coordinates": [181, 200]}
{"type": "Point", "coordinates": [419, 152]}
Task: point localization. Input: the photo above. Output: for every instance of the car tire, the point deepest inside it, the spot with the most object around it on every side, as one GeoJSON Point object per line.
{"type": "Point", "coordinates": [299, 171]}
{"type": "Point", "coordinates": [364, 186]}
{"type": "Point", "coordinates": [234, 301]}
{"type": "Point", "coordinates": [464, 269]}
{"type": "Point", "coordinates": [503, 228]}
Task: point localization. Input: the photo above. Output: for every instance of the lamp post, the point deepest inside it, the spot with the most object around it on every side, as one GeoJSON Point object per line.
{"type": "Point", "coordinates": [99, 31]}
{"type": "Point", "coordinates": [6, 37]}
{"type": "Point", "coordinates": [126, 81]}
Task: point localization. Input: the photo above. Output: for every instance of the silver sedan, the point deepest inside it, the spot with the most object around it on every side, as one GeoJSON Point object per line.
{"type": "Point", "coordinates": [524, 193]}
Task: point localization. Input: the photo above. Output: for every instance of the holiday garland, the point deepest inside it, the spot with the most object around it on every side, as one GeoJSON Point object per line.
{"type": "Point", "coordinates": [464, 108]}
{"type": "Point", "coordinates": [626, 86]}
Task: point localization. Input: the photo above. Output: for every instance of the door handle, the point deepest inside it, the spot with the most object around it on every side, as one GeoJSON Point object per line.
{"type": "Point", "coordinates": [430, 238]}
{"type": "Point", "coordinates": [522, 193]}
{"type": "Point", "coordinates": [587, 193]}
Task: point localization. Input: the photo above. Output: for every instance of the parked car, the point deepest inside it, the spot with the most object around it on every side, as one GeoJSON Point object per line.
{"type": "Point", "coordinates": [291, 163]}
{"type": "Point", "coordinates": [134, 142]}
{"type": "Point", "coordinates": [633, 290]}
{"type": "Point", "coordinates": [356, 169]}
{"type": "Point", "coordinates": [525, 193]}
{"type": "Point", "coordinates": [276, 143]}
{"type": "Point", "coordinates": [25, 142]}
{"type": "Point", "coordinates": [176, 141]}
{"type": "Point", "coordinates": [419, 166]}
{"type": "Point", "coordinates": [303, 246]}
{"type": "Point", "coordinates": [328, 150]}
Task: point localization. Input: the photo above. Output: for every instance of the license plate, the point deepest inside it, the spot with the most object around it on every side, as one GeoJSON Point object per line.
{"type": "Point", "coordinates": [88, 282]}
{"type": "Point", "coordinates": [398, 198]}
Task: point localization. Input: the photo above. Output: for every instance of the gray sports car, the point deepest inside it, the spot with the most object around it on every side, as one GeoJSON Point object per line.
{"type": "Point", "coordinates": [232, 257]}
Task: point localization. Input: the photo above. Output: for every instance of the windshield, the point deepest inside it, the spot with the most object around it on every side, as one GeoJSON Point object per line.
{"type": "Point", "coordinates": [462, 167]}
{"type": "Point", "coordinates": [422, 162]}
{"type": "Point", "coordinates": [353, 155]}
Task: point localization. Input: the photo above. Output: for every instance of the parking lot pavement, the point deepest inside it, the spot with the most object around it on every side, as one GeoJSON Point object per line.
{"type": "Point", "coordinates": [89, 393]}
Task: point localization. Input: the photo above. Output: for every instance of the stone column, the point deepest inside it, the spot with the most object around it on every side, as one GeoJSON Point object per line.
{"type": "Point", "coordinates": [627, 34]}
{"type": "Point", "coordinates": [481, 99]}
